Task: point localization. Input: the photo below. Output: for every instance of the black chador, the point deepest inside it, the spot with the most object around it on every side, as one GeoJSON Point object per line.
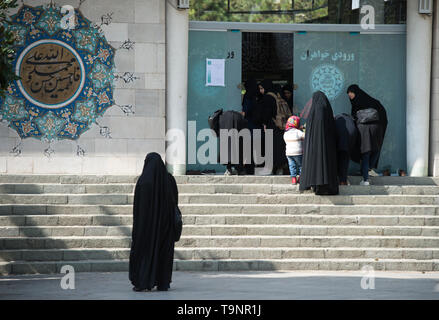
{"type": "Point", "coordinates": [268, 110]}
{"type": "Point", "coordinates": [233, 120]}
{"type": "Point", "coordinates": [152, 247]}
{"type": "Point", "coordinates": [319, 165]}
{"type": "Point", "coordinates": [372, 135]}
{"type": "Point", "coordinates": [347, 144]}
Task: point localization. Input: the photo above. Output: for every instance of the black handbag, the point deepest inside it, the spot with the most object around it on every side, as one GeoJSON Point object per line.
{"type": "Point", "coordinates": [178, 226]}
{"type": "Point", "coordinates": [368, 115]}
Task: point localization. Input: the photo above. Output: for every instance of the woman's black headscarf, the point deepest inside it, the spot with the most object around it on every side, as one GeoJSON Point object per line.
{"type": "Point", "coordinates": [289, 88]}
{"type": "Point", "coordinates": [251, 88]}
{"type": "Point", "coordinates": [266, 108]}
{"type": "Point", "coordinates": [152, 247]}
{"type": "Point", "coordinates": [267, 84]}
{"type": "Point", "coordinates": [249, 101]}
{"type": "Point", "coordinates": [364, 101]}
{"type": "Point", "coordinates": [372, 136]}
{"type": "Point", "coordinates": [319, 169]}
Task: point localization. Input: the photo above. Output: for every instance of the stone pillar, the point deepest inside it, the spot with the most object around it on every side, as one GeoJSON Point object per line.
{"type": "Point", "coordinates": [434, 108]}
{"type": "Point", "coordinates": [177, 36]}
{"type": "Point", "coordinates": [419, 39]}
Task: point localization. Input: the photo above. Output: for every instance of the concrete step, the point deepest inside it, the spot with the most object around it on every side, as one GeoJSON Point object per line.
{"type": "Point", "coordinates": [253, 188]}
{"type": "Point", "coordinates": [99, 179]}
{"type": "Point", "coordinates": [223, 219]}
{"type": "Point", "coordinates": [221, 209]}
{"type": "Point", "coordinates": [50, 188]}
{"type": "Point", "coordinates": [66, 199]}
{"type": "Point", "coordinates": [354, 241]}
{"type": "Point", "coordinates": [121, 199]}
{"type": "Point", "coordinates": [210, 188]}
{"type": "Point", "coordinates": [309, 199]}
{"type": "Point", "coordinates": [223, 253]}
{"type": "Point", "coordinates": [226, 230]}
{"type": "Point", "coordinates": [49, 267]}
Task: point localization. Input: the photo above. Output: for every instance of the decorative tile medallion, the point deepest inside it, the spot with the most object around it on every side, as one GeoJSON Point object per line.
{"type": "Point", "coordinates": [67, 75]}
{"type": "Point", "coordinates": [328, 79]}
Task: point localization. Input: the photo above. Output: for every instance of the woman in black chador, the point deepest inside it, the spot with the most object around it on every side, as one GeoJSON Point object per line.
{"type": "Point", "coordinates": [236, 157]}
{"type": "Point", "coordinates": [249, 105]}
{"type": "Point", "coordinates": [319, 165]}
{"type": "Point", "coordinates": [268, 111]}
{"type": "Point", "coordinates": [371, 133]}
{"type": "Point", "coordinates": [152, 247]}
{"type": "Point", "coordinates": [347, 145]}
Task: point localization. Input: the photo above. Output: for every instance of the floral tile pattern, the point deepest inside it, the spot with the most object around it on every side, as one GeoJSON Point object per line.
{"type": "Point", "coordinates": [67, 75]}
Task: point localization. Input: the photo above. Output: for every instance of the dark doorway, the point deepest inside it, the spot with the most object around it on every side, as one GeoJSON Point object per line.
{"type": "Point", "coordinates": [268, 56]}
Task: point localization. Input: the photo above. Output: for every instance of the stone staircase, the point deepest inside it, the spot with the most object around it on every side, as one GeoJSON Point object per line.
{"type": "Point", "coordinates": [231, 223]}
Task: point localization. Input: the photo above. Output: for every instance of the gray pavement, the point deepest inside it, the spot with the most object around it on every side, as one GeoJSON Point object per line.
{"type": "Point", "coordinates": [229, 286]}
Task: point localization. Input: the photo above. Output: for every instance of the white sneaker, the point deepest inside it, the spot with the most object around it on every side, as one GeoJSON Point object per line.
{"type": "Point", "coordinates": [373, 173]}
{"type": "Point", "coordinates": [364, 183]}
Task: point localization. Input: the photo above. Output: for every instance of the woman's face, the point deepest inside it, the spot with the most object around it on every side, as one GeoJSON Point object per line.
{"type": "Point", "coordinates": [287, 94]}
{"type": "Point", "coordinates": [261, 89]}
{"type": "Point", "coordinates": [351, 95]}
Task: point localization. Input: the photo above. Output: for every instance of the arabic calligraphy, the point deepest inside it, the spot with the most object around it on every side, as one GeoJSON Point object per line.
{"type": "Point", "coordinates": [50, 73]}
{"type": "Point", "coordinates": [324, 55]}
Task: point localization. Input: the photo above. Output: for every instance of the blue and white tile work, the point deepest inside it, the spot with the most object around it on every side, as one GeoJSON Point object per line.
{"type": "Point", "coordinates": [91, 99]}
{"type": "Point", "coordinates": [66, 75]}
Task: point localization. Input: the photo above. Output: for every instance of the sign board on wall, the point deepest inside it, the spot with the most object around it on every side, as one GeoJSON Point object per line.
{"type": "Point", "coordinates": [215, 72]}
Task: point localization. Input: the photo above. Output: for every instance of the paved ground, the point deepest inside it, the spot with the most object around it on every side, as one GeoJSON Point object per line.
{"type": "Point", "coordinates": [229, 286]}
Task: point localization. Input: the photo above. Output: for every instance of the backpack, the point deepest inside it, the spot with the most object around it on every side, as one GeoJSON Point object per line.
{"type": "Point", "coordinates": [283, 111]}
{"type": "Point", "coordinates": [213, 121]}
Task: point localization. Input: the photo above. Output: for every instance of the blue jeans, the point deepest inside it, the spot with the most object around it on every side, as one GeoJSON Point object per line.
{"type": "Point", "coordinates": [367, 159]}
{"type": "Point", "coordinates": [295, 164]}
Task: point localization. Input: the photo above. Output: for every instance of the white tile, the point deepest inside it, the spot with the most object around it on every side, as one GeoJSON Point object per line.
{"type": "Point", "coordinates": [58, 164]}
{"type": "Point", "coordinates": [141, 147]}
{"type": "Point", "coordinates": [19, 164]}
{"type": "Point", "coordinates": [109, 165]}
{"type": "Point", "coordinates": [114, 147]}
{"type": "Point", "coordinates": [155, 81]}
{"type": "Point", "coordinates": [124, 96]}
{"type": "Point", "coordinates": [132, 127]}
{"type": "Point", "coordinates": [146, 57]}
{"type": "Point", "coordinates": [155, 128]}
{"type": "Point", "coordinates": [147, 11]}
{"type": "Point", "coordinates": [123, 10]}
{"type": "Point", "coordinates": [3, 167]}
{"type": "Point", "coordinates": [6, 145]}
{"type": "Point", "coordinates": [124, 60]}
{"type": "Point", "coordinates": [115, 31]}
{"type": "Point", "coordinates": [31, 146]}
{"type": "Point", "coordinates": [161, 58]}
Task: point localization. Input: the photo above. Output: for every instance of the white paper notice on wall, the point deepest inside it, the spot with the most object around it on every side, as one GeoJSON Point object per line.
{"type": "Point", "coordinates": [215, 70]}
{"type": "Point", "coordinates": [355, 4]}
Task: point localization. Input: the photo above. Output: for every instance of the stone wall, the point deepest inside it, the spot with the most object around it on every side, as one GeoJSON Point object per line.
{"type": "Point", "coordinates": [132, 135]}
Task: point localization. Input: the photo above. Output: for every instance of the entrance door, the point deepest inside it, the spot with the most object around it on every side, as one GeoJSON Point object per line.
{"type": "Point", "coordinates": [203, 100]}
{"type": "Point", "coordinates": [267, 55]}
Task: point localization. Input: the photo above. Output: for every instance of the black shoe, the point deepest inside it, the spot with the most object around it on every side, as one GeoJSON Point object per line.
{"type": "Point", "coordinates": [162, 289]}
{"type": "Point", "coordinates": [140, 289]}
